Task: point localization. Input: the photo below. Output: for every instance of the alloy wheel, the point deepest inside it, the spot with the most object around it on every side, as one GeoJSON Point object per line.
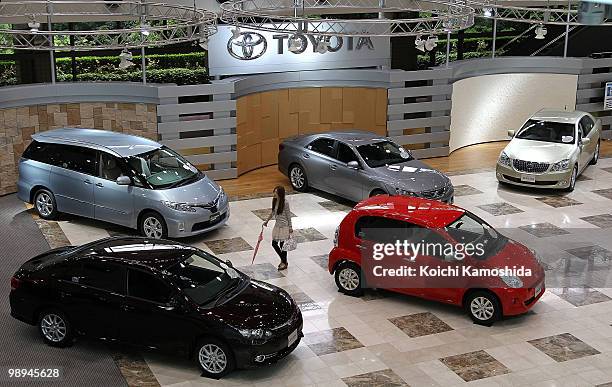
{"type": "Point", "coordinates": [482, 308]}
{"type": "Point", "coordinates": [297, 177]}
{"type": "Point", "coordinates": [152, 227]}
{"type": "Point", "coordinates": [348, 278]}
{"type": "Point", "coordinates": [53, 327]}
{"type": "Point", "coordinates": [44, 204]}
{"type": "Point", "coordinates": [212, 358]}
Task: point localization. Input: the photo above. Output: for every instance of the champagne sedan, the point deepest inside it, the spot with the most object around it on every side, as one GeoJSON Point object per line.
{"type": "Point", "coordinates": [551, 150]}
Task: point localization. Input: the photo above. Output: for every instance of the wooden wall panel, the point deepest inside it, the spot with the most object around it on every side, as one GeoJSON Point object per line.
{"type": "Point", "coordinates": [265, 119]}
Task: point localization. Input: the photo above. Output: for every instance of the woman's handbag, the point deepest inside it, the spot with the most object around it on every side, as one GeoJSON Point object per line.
{"type": "Point", "coordinates": [290, 244]}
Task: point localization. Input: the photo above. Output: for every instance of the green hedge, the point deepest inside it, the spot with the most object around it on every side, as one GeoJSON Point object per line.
{"type": "Point", "coordinates": [180, 76]}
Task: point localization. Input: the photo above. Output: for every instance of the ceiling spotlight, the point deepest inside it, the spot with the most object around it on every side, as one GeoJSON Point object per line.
{"type": "Point", "coordinates": [540, 31]}
{"type": "Point", "coordinates": [145, 29]}
{"type": "Point", "coordinates": [322, 46]}
{"type": "Point", "coordinates": [487, 11]}
{"type": "Point", "coordinates": [33, 24]}
{"type": "Point", "coordinates": [295, 43]}
{"type": "Point", "coordinates": [419, 43]}
{"type": "Point", "coordinates": [431, 43]}
{"type": "Point", "coordinates": [125, 59]}
{"type": "Point", "coordinates": [236, 33]}
{"type": "Point", "coordinates": [203, 42]}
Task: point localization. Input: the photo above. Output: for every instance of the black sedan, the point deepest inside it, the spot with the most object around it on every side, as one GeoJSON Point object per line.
{"type": "Point", "coordinates": [157, 294]}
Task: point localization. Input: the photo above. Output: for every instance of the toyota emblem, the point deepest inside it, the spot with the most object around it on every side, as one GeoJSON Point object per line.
{"type": "Point", "coordinates": [248, 46]}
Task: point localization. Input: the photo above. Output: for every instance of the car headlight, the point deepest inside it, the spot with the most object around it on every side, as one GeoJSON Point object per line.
{"type": "Point", "coordinates": [178, 206]}
{"type": "Point", "coordinates": [401, 191]}
{"type": "Point", "coordinates": [512, 281]}
{"type": "Point", "coordinates": [504, 159]}
{"type": "Point", "coordinates": [255, 334]}
{"type": "Point", "coordinates": [562, 165]}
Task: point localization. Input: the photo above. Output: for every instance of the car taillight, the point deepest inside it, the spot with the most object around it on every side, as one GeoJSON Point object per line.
{"type": "Point", "coordinates": [15, 282]}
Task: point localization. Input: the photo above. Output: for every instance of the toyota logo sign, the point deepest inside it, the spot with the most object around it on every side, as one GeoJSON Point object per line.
{"type": "Point", "coordinates": [248, 46]}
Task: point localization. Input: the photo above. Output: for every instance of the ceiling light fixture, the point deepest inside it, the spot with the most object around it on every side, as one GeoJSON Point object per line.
{"type": "Point", "coordinates": [33, 24]}
{"type": "Point", "coordinates": [419, 44]}
{"type": "Point", "coordinates": [431, 43]}
{"type": "Point", "coordinates": [322, 46]}
{"type": "Point", "coordinates": [125, 59]}
{"type": "Point", "coordinates": [487, 11]}
{"type": "Point", "coordinates": [295, 43]}
{"type": "Point", "coordinates": [540, 32]}
{"type": "Point", "coordinates": [145, 29]}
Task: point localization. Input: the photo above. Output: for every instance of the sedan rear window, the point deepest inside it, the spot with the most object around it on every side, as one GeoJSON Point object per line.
{"type": "Point", "coordinates": [557, 132]}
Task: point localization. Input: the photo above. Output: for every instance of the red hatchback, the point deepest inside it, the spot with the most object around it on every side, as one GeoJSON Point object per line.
{"type": "Point", "coordinates": [436, 251]}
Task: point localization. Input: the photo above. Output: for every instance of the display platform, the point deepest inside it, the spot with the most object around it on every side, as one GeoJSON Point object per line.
{"type": "Point", "coordinates": [385, 339]}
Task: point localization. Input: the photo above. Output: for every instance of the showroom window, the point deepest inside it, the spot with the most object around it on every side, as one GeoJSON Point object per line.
{"type": "Point", "coordinates": [75, 158]}
{"type": "Point", "coordinates": [345, 153]}
{"type": "Point", "coordinates": [323, 145]}
{"type": "Point", "coordinates": [146, 286]}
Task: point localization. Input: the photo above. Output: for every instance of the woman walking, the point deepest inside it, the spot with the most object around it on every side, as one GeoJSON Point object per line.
{"type": "Point", "coordinates": [282, 228]}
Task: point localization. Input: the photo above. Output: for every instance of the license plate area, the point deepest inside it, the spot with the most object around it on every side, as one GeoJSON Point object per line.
{"type": "Point", "coordinates": [292, 338]}
{"type": "Point", "coordinates": [528, 178]}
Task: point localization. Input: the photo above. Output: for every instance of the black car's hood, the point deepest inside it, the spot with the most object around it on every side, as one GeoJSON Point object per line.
{"type": "Point", "coordinates": [413, 176]}
{"type": "Point", "coordinates": [258, 305]}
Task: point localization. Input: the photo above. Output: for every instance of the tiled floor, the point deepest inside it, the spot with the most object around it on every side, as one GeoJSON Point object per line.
{"type": "Point", "coordinates": [383, 339]}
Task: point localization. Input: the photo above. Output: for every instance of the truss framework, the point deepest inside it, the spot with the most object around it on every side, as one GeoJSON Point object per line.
{"type": "Point", "coordinates": [164, 24]}
{"type": "Point", "coordinates": [557, 15]}
{"type": "Point", "coordinates": [309, 17]}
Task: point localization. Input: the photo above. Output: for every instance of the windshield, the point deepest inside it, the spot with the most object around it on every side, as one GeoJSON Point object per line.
{"type": "Point", "coordinates": [558, 132]}
{"type": "Point", "coordinates": [469, 229]}
{"type": "Point", "coordinates": [163, 168]}
{"type": "Point", "coordinates": [383, 153]}
{"type": "Point", "coordinates": [204, 278]}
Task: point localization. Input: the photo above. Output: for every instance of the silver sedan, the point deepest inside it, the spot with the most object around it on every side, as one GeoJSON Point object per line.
{"type": "Point", "coordinates": [356, 165]}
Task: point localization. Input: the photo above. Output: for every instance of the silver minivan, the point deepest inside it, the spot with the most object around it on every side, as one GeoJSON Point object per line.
{"type": "Point", "coordinates": [121, 179]}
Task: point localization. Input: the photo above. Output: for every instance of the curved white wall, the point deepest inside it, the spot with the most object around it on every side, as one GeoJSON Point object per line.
{"type": "Point", "coordinates": [485, 107]}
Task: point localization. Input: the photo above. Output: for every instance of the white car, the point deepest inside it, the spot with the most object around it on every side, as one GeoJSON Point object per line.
{"type": "Point", "coordinates": [550, 150]}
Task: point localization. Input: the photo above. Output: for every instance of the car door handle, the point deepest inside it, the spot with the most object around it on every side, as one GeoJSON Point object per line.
{"type": "Point", "coordinates": [87, 181]}
{"type": "Point", "coordinates": [333, 167]}
{"type": "Point", "coordinates": [306, 155]}
{"type": "Point", "coordinates": [99, 185]}
{"type": "Point", "coordinates": [127, 308]}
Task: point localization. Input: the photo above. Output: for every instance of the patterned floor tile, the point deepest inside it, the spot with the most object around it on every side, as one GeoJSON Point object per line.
{"type": "Point", "coordinates": [420, 324]}
{"type": "Point", "coordinates": [475, 365]}
{"type": "Point", "coordinates": [602, 221]}
{"type": "Point", "coordinates": [231, 245]}
{"type": "Point", "coordinates": [465, 190]}
{"type": "Point", "coordinates": [608, 169]}
{"type": "Point", "coordinates": [308, 235]}
{"type": "Point", "coordinates": [592, 252]}
{"type": "Point", "coordinates": [543, 230]}
{"type": "Point", "coordinates": [262, 271]}
{"type": "Point", "coordinates": [382, 378]}
{"type": "Point", "coordinates": [133, 367]}
{"type": "Point", "coordinates": [497, 209]}
{"type": "Point", "coordinates": [606, 193]}
{"type": "Point", "coordinates": [580, 296]}
{"type": "Point", "coordinates": [302, 299]}
{"type": "Point", "coordinates": [563, 347]}
{"type": "Point", "coordinates": [321, 260]}
{"type": "Point", "coordinates": [263, 213]}
{"type": "Point", "coordinates": [558, 201]}
{"type": "Point", "coordinates": [335, 207]}
{"type": "Point", "coordinates": [373, 294]}
{"type": "Point", "coordinates": [331, 341]}
{"type": "Point", "coordinates": [53, 233]}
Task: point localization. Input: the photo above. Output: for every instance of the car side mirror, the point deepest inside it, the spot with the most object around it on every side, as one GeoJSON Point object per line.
{"type": "Point", "coordinates": [353, 164]}
{"type": "Point", "coordinates": [124, 180]}
{"type": "Point", "coordinates": [585, 141]}
{"type": "Point", "coordinates": [511, 133]}
{"type": "Point", "coordinates": [229, 263]}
